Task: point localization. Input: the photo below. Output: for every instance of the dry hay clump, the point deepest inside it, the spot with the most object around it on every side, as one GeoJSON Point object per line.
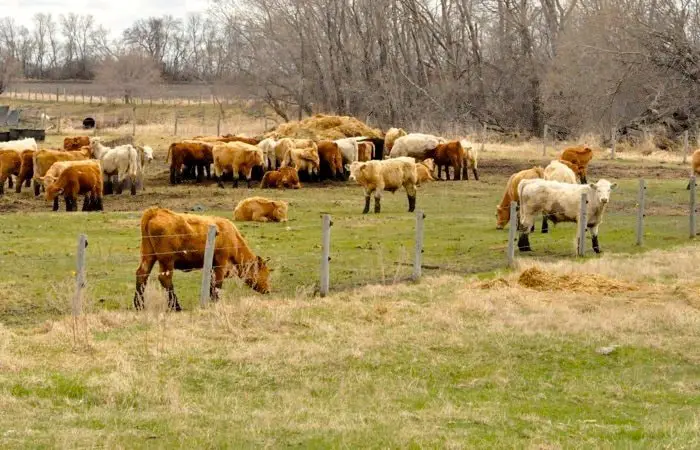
{"type": "Point", "coordinates": [540, 280]}
{"type": "Point", "coordinates": [321, 127]}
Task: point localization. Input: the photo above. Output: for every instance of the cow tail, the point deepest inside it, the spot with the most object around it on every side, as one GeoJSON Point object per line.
{"type": "Point", "coordinates": [170, 149]}
{"type": "Point", "coordinates": [133, 163]}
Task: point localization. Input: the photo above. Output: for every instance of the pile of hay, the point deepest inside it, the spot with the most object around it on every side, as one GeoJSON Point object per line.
{"type": "Point", "coordinates": [321, 127]}
{"type": "Point", "coordinates": [540, 280]}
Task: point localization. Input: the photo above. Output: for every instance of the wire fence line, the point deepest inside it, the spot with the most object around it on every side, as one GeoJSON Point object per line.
{"type": "Point", "coordinates": [346, 254]}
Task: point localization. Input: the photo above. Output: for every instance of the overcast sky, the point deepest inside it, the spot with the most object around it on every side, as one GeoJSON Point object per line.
{"type": "Point", "coordinates": [116, 15]}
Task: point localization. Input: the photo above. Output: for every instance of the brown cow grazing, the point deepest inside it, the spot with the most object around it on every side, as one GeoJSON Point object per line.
{"type": "Point", "coordinates": [85, 179]}
{"type": "Point", "coordinates": [193, 154]}
{"type": "Point", "coordinates": [260, 209]}
{"type": "Point", "coordinates": [44, 159]}
{"type": "Point", "coordinates": [579, 157]}
{"type": "Point", "coordinates": [286, 177]}
{"type": "Point", "coordinates": [177, 241]}
{"type": "Point", "coordinates": [26, 169]}
{"type": "Point", "coordinates": [10, 163]}
{"type": "Point", "coordinates": [331, 165]}
{"type": "Point", "coordinates": [449, 154]}
{"type": "Point", "coordinates": [57, 169]}
{"type": "Point", "coordinates": [76, 142]}
{"type": "Point", "coordinates": [237, 158]}
{"type": "Point", "coordinates": [511, 194]}
{"type": "Point", "coordinates": [365, 151]}
{"type": "Point", "coordinates": [425, 171]}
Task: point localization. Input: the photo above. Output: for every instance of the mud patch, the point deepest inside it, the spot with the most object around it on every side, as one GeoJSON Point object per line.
{"type": "Point", "coordinates": [540, 280]}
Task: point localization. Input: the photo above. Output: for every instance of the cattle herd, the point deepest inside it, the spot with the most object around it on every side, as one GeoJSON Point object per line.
{"type": "Point", "coordinates": [88, 167]}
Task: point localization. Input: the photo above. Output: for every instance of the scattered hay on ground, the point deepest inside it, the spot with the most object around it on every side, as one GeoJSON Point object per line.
{"type": "Point", "coordinates": [494, 284]}
{"type": "Point", "coordinates": [321, 127]}
{"type": "Point", "coordinates": [540, 280]}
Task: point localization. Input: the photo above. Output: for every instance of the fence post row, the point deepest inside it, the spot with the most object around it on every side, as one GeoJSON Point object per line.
{"type": "Point", "coordinates": [325, 255]}
{"type": "Point", "coordinates": [692, 227]}
{"type": "Point", "coordinates": [205, 291]}
{"type": "Point", "coordinates": [512, 230]}
{"type": "Point", "coordinates": [640, 211]}
{"type": "Point", "coordinates": [582, 222]}
{"type": "Point", "coordinates": [418, 258]}
{"type": "Point", "coordinates": [77, 305]}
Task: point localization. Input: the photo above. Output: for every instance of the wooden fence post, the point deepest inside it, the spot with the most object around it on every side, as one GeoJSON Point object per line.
{"type": "Point", "coordinates": [133, 121]}
{"type": "Point", "coordinates": [325, 256]}
{"type": "Point", "coordinates": [582, 222]}
{"type": "Point", "coordinates": [640, 212]}
{"type": "Point", "coordinates": [418, 255]}
{"type": "Point", "coordinates": [77, 305]}
{"type": "Point", "coordinates": [205, 291]}
{"type": "Point", "coordinates": [483, 138]}
{"type": "Point", "coordinates": [512, 230]}
{"type": "Point", "coordinates": [685, 146]}
{"type": "Point", "coordinates": [613, 145]}
{"type": "Point", "coordinates": [544, 140]}
{"type": "Point", "coordinates": [218, 124]}
{"type": "Point", "coordinates": [693, 186]}
{"type": "Point", "coordinates": [175, 131]}
{"type": "Point", "coordinates": [60, 119]}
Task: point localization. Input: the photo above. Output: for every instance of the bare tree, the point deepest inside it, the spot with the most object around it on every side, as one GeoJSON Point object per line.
{"type": "Point", "coordinates": [129, 75]}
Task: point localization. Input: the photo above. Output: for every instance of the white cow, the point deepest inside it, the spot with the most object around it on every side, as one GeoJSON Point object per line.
{"type": "Point", "coordinates": [561, 202]}
{"type": "Point", "coordinates": [19, 145]}
{"type": "Point", "coordinates": [122, 161]}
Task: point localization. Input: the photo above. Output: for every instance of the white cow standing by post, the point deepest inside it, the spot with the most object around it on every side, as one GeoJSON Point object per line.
{"type": "Point", "coordinates": [561, 202]}
{"type": "Point", "coordinates": [122, 161]}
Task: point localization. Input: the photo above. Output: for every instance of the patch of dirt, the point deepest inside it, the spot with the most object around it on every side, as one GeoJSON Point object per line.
{"type": "Point", "coordinates": [541, 280]}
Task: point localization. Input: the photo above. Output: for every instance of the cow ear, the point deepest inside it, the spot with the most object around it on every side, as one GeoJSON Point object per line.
{"type": "Point", "coordinates": [347, 167]}
{"type": "Point", "coordinates": [592, 185]}
{"type": "Point", "coordinates": [60, 191]}
{"type": "Point", "coordinates": [613, 186]}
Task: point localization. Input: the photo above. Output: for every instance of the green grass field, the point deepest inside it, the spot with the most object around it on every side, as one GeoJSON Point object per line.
{"type": "Point", "coordinates": [466, 358]}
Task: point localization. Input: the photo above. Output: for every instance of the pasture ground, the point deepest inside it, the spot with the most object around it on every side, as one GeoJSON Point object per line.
{"type": "Point", "coordinates": [473, 355]}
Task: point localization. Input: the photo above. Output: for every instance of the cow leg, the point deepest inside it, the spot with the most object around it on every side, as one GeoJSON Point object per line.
{"type": "Point", "coordinates": [107, 186]}
{"type": "Point", "coordinates": [545, 225]}
{"type": "Point", "coordinates": [457, 169]}
{"type": "Point", "coordinates": [70, 204]}
{"type": "Point", "coordinates": [524, 243]}
{"type": "Point", "coordinates": [465, 171]}
{"type": "Point", "coordinates": [439, 168]}
{"type": "Point", "coordinates": [476, 173]}
{"type": "Point", "coordinates": [166, 280]}
{"type": "Point", "coordinates": [142, 273]}
{"type": "Point", "coordinates": [37, 188]}
{"type": "Point", "coordinates": [9, 182]}
{"type": "Point", "coordinates": [18, 188]}
{"type": "Point", "coordinates": [207, 168]}
{"type": "Point", "coordinates": [173, 175]}
{"type": "Point", "coordinates": [120, 186]}
{"type": "Point", "coordinates": [377, 202]}
{"type": "Point", "coordinates": [367, 201]}
{"type": "Point", "coordinates": [27, 182]}
{"type": "Point", "coordinates": [594, 239]}
{"type": "Point", "coordinates": [411, 192]}
{"type": "Point", "coordinates": [98, 204]}
{"type": "Point", "coordinates": [200, 173]}
{"type": "Point", "coordinates": [55, 204]}
{"type": "Point", "coordinates": [2, 187]}
{"type": "Point", "coordinates": [86, 203]}
{"type": "Point", "coordinates": [133, 186]}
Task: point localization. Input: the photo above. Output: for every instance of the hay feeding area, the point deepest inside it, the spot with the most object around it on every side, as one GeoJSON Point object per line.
{"type": "Point", "coordinates": [541, 280]}
{"type": "Point", "coordinates": [321, 127]}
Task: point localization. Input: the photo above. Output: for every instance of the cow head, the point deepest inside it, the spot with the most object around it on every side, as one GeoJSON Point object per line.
{"type": "Point", "coordinates": [602, 190]}
{"type": "Point", "coordinates": [354, 168]}
{"type": "Point", "coordinates": [502, 216]}
{"type": "Point", "coordinates": [147, 153]}
{"type": "Point", "coordinates": [280, 211]}
{"type": "Point", "coordinates": [52, 192]}
{"type": "Point", "coordinates": [257, 275]}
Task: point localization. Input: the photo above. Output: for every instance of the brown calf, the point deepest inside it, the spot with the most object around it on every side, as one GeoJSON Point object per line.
{"type": "Point", "coordinates": [579, 157]}
{"type": "Point", "coordinates": [449, 154]}
{"type": "Point", "coordinates": [177, 242]}
{"type": "Point", "coordinates": [78, 180]}
{"type": "Point", "coordinates": [76, 142]}
{"type": "Point", "coordinates": [192, 154]}
{"type": "Point", "coordinates": [286, 177]}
